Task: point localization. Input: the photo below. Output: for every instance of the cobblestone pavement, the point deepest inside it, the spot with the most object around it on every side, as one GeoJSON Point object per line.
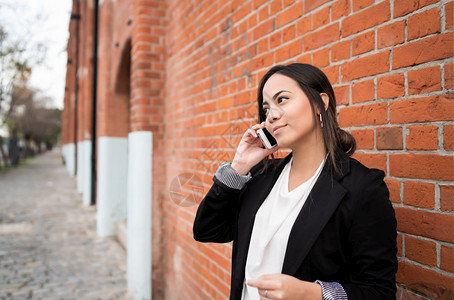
{"type": "Point", "coordinates": [48, 243]}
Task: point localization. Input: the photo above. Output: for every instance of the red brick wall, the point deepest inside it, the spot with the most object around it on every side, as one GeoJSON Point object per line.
{"type": "Point", "coordinates": [147, 109]}
{"type": "Point", "coordinates": [85, 71]}
{"type": "Point", "coordinates": [115, 28]}
{"type": "Point", "coordinates": [83, 60]}
{"type": "Point", "coordinates": [67, 133]}
{"type": "Point", "coordinates": [195, 66]}
{"type": "Point", "coordinates": [390, 63]}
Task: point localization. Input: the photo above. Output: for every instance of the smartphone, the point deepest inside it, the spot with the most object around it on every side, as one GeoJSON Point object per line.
{"type": "Point", "coordinates": [267, 139]}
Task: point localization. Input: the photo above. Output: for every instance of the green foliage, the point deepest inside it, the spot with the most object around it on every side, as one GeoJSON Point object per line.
{"type": "Point", "coordinates": [31, 119]}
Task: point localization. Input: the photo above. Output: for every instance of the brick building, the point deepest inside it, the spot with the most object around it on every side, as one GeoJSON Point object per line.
{"type": "Point", "coordinates": [175, 89]}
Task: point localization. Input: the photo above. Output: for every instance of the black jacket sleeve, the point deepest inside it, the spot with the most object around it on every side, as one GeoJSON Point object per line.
{"type": "Point", "coordinates": [216, 215]}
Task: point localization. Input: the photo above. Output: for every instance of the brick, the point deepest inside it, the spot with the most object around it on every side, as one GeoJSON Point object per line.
{"type": "Point", "coordinates": [289, 33]}
{"type": "Point", "coordinates": [377, 161]}
{"type": "Point", "coordinates": [363, 43]}
{"type": "Point", "coordinates": [389, 138]}
{"type": "Point", "coordinates": [332, 72]}
{"type": "Point", "coordinates": [449, 15]}
{"type": "Point", "coordinates": [427, 109]}
{"type": "Point", "coordinates": [363, 91]}
{"type": "Point", "coordinates": [313, 4]}
{"type": "Point", "coordinates": [449, 75]}
{"type": "Point", "coordinates": [372, 114]}
{"type": "Point", "coordinates": [424, 23]}
{"type": "Point", "coordinates": [419, 194]}
{"type": "Point", "coordinates": [394, 190]}
{"type": "Point", "coordinates": [321, 37]}
{"type": "Point", "coordinates": [448, 137]}
{"type": "Point", "coordinates": [263, 29]}
{"type": "Point", "coordinates": [288, 2]}
{"type": "Point", "coordinates": [243, 11]}
{"type": "Point", "coordinates": [339, 9]}
{"type": "Point", "coordinates": [447, 258]}
{"type": "Point", "coordinates": [275, 7]}
{"type": "Point", "coordinates": [253, 20]}
{"type": "Point", "coordinates": [360, 4]}
{"type": "Point", "coordinates": [264, 13]}
{"type": "Point", "coordinates": [342, 94]}
{"type": "Point", "coordinates": [304, 58]}
{"type": "Point", "coordinates": [143, 110]}
{"type": "Point", "coordinates": [399, 243]}
{"type": "Point", "coordinates": [391, 86]}
{"type": "Point", "coordinates": [424, 80]}
{"type": "Point", "coordinates": [366, 66]}
{"type": "Point", "coordinates": [421, 251]}
{"type": "Point", "coordinates": [447, 198]}
{"type": "Point", "coordinates": [262, 46]}
{"type": "Point", "coordinates": [263, 61]}
{"type": "Point", "coordinates": [340, 51]}
{"type": "Point", "coordinates": [424, 166]}
{"type": "Point", "coordinates": [258, 3]}
{"type": "Point", "coordinates": [275, 39]}
{"type": "Point", "coordinates": [364, 138]}
{"type": "Point", "coordinates": [289, 15]}
{"type": "Point", "coordinates": [425, 281]}
{"type": "Point", "coordinates": [288, 51]}
{"type": "Point", "coordinates": [409, 295]}
{"type": "Point", "coordinates": [427, 224]}
{"type": "Point", "coordinates": [304, 26]}
{"type": "Point", "coordinates": [424, 137]}
{"type": "Point", "coordinates": [366, 19]}
{"type": "Point", "coordinates": [320, 58]}
{"type": "Point", "coordinates": [224, 103]}
{"type": "Point", "coordinates": [320, 17]}
{"type": "Point", "coordinates": [416, 53]}
{"type": "Point", "coordinates": [391, 35]}
{"type": "Point", "coordinates": [404, 7]}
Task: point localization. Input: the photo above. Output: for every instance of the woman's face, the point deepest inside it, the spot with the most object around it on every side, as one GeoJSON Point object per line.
{"type": "Point", "coordinates": [289, 114]}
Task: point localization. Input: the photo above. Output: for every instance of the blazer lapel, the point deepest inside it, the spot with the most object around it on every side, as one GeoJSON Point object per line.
{"type": "Point", "coordinates": [321, 203]}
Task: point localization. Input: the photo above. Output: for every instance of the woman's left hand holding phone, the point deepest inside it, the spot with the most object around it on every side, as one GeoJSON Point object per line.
{"type": "Point", "coordinates": [250, 151]}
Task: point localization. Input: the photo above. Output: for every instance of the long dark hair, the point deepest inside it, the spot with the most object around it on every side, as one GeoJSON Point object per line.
{"type": "Point", "coordinates": [313, 82]}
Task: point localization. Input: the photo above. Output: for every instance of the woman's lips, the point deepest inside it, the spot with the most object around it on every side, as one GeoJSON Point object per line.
{"type": "Point", "coordinates": [277, 129]}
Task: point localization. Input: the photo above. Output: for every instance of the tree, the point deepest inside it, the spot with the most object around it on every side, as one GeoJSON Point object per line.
{"type": "Point", "coordinates": [32, 120]}
{"type": "Point", "coordinates": [12, 68]}
{"type": "Point", "coordinates": [18, 54]}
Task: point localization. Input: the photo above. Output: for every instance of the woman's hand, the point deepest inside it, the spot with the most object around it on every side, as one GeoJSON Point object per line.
{"type": "Point", "coordinates": [250, 151]}
{"type": "Point", "coordinates": [281, 286]}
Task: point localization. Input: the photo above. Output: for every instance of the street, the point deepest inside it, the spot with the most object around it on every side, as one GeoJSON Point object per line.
{"type": "Point", "coordinates": [48, 243]}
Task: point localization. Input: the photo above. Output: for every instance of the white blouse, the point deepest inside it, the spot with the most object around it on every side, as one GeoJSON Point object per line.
{"type": "Point", "coordinates": [273, 223]}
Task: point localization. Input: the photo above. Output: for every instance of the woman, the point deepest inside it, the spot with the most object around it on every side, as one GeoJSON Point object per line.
{"type": "Point", "coordinates": [314, 225]}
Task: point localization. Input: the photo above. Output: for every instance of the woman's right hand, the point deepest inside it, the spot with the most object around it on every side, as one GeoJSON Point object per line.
{"type": "Point", "coordinates": [250, 151]}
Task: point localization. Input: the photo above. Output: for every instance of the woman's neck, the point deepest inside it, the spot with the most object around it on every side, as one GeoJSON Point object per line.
{"type": "Point", "coordinates": [306, 159]}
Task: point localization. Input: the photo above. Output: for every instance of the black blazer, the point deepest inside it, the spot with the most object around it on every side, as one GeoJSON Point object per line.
{"type": "Point", "coordinates": [345, 232]}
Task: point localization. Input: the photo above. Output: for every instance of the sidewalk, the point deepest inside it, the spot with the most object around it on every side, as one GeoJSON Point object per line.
{"type": "Point", "coordinates": [48, 243]}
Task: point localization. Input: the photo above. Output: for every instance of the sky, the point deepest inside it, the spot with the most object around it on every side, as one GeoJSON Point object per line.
{"type": "Point", "coordinates": [42, 21]}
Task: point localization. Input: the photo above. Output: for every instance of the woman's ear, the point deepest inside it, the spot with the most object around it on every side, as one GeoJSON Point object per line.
{"type": "Point", "coordinates": [325, 99]}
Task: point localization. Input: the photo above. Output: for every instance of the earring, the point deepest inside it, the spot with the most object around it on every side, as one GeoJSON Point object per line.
{"type": "Point", "coordinates": [321, 120]}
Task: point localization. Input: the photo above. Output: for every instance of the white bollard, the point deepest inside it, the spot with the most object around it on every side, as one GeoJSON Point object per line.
{"type": "Point", "coordinates": [112, 184]}
{"type": "Point", "coordinates": [139, 214]}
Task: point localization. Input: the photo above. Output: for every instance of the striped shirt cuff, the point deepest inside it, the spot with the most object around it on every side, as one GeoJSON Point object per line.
{"type": "Point", "coordinates": [228, 176]}
{"type": "Point", "coordinates": [332, 291]}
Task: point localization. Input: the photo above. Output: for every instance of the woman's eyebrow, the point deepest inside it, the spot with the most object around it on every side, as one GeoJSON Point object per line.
{"type": "Point", "coordinates": [280, 92]}
{"type": "Point", "coordinates": [274, 97]}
